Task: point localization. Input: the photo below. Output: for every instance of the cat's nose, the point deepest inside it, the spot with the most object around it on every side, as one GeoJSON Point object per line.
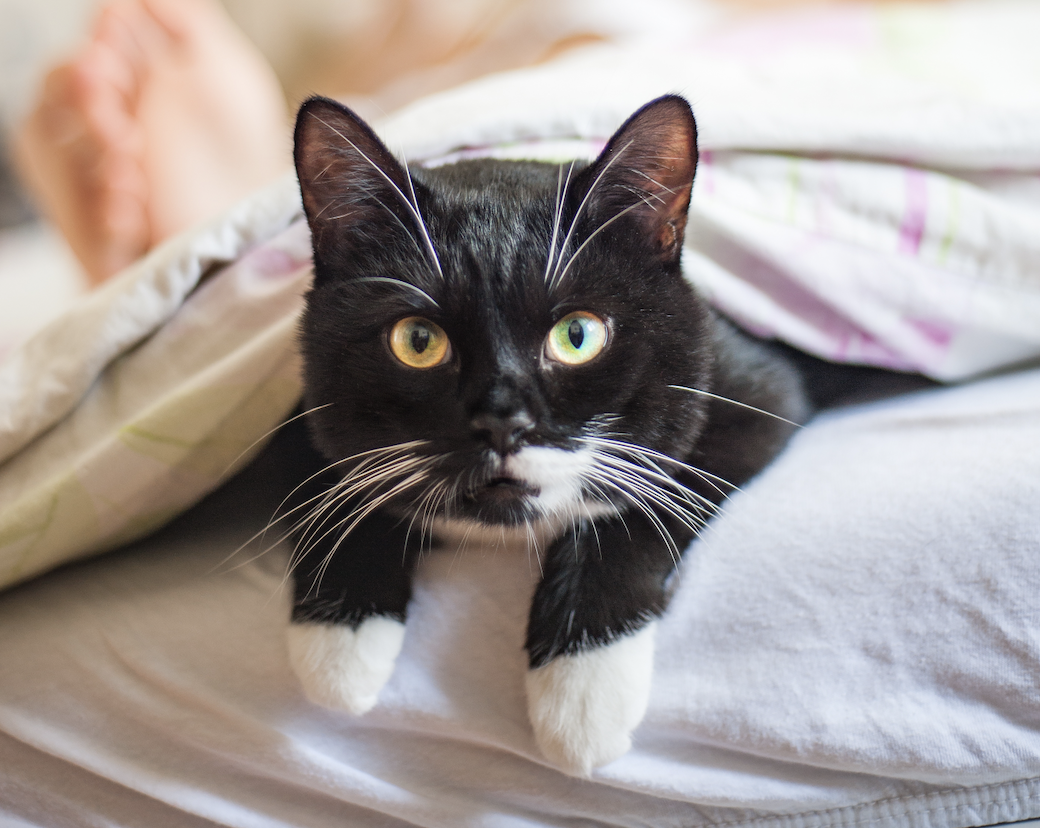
{"type": "Point", "coordinates": [503, 433]}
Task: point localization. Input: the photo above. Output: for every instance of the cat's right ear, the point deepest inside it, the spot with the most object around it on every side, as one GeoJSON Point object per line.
{"type": "Point", "coordinates": [647, 170]}
{"type": "Point", "coordinates": [354, 191]}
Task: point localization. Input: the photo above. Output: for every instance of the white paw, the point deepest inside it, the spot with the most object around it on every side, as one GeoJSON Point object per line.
{"type": "Point", "coordinates": [344, 668]}
{"type": "Point", "coordinates": [584, 707]}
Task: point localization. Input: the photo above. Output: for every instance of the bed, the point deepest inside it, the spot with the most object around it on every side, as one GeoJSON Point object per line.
{"type": "Point", "coordinates": [853, 642]}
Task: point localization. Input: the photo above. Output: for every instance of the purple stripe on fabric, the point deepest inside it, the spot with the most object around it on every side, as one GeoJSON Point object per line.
{"type": "Point", "coordinates": [912, 230]}
{"type": "Point", "coordinates": [934, 333]}
{"type": "Point", "coordinates": [705, 171]}
{"type": "Point", "coordinates": [834, 336]}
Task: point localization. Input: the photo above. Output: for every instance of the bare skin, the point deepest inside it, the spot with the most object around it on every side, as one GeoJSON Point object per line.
{"type": "Point", "coordinates": [166, 117]}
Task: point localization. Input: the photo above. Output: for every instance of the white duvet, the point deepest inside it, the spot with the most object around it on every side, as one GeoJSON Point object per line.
{"type": "Point", "coordinates": [854, 642]}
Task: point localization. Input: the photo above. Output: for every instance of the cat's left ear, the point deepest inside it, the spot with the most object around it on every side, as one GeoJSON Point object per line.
{"type": "Point", "coordinates": [357, 196]}
{"type": "Point", "coordinates": [646, 171]}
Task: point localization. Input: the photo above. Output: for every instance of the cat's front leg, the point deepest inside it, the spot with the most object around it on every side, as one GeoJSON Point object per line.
{"type": "Point", "coordinates": [349, 608]}
{"type": "Point", "coordinates": [590, 638]}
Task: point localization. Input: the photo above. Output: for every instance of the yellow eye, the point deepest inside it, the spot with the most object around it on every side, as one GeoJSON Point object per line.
{"type": "Point", "coordinates": [419, 343]}
{"type": "Point", "coordinates": [576, 338]}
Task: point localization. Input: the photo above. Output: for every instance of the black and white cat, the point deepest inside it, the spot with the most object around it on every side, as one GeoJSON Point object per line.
{"type": "Point", "coordinates": [512, 344]}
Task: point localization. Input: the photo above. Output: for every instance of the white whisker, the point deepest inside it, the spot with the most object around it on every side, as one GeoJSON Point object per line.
{"type": "Point", "coordinates": [358, 515]}
{"type": "Point", "coordinates": [412, 208]}
{"type": "Point", "coordinates": [343, 492]}
{"type": "Point", "coordinates": [422, 223]}
{"type": "Point", "coordinates": [261, 534]}
{"type": "Point", "coordinates": [645, 454]}
{"type": "Point", "coordinates": [654, 181]}
{"type": "Point", "coordinates": [558, 278]}
{"type": "Point", "coordinates": [561, 198]}
{"type": "Point", "coordinates": [370, 471]}
{"type": "Point", "coordinates": [704, 393]}
{"type": "Point", "coordinates": [636, 500]}
{"type": "Point", "coordinates": [399, 283]}
{"type": "Point", "coordinates": [650, 472]}
{"type": "Point", "coordinates": [272, 431]}
{"type": "Point", "coordinates": [581, 207]}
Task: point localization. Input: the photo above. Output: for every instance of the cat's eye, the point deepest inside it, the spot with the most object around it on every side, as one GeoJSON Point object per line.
{"type": "Point", "coordinates": [577, 338]}
{"type": "Point", "coordinates": [419, 343]}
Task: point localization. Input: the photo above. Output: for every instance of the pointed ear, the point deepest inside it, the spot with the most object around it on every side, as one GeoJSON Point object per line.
{"type": "Point", "coordinates": [646, 171]}
{"type": "Point", "coordinates": [354, 190]}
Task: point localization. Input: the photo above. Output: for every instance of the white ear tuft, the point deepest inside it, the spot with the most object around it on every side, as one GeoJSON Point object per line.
{"type": "Point", "coordinates": [647, 167]}
{"type": "Point", "coordinates": [584, 707]}
{"type": "Point", "coordinates": [344, 668]}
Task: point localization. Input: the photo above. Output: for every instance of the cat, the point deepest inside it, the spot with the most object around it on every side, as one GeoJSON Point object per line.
{"type": "Point", "coordinates": [513, 344]}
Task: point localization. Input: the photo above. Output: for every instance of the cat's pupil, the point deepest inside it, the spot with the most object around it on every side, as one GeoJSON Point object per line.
{"type": "Point", "coordinates": [576, 333]}
{"type": "Point", "coordinates": [420, 340]}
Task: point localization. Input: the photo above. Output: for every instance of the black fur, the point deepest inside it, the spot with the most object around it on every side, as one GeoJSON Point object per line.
{"type": "Point", "coordinates": [491, 225]}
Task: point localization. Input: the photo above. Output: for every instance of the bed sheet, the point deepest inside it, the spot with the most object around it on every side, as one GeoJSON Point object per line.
{"type": "Point", "coordinates": [854, 642]}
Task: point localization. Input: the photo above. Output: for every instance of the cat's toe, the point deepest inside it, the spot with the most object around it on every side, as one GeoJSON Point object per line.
{"type": "Point", "coordinates": [344, 668]}
{"type": "Point", "coordinates": [584, 707]}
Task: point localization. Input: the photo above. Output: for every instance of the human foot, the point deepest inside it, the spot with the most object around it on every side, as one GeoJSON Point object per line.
{"type": "Point", "coordinates": [165, 118]}
{"type": "Point", "coordinates": [79, 152]}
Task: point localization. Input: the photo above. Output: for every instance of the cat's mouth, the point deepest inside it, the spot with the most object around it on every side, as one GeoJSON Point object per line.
{"type": "Point", "coordinates": [501, 500]}
{"type": "Point", "coordinates": [501, 488]}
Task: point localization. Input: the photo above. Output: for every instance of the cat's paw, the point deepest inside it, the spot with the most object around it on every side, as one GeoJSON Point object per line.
{"type": "Point", "coordinates": [343, 668]}
{"type": "Point", "coordinates": [584, 707]}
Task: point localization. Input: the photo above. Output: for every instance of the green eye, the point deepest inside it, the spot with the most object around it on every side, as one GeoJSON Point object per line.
{"type": "Point", "coordinates": [419, 343]}
{"type": "Point", "coordinates": [576, 338]}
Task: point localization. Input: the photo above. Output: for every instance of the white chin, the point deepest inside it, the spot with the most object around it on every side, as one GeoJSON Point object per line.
{"type": "Point", "coordinates": [558, 475]}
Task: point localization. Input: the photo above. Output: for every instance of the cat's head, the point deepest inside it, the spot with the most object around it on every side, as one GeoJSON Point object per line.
{"type": "Point", "coordinates": [483, 337]}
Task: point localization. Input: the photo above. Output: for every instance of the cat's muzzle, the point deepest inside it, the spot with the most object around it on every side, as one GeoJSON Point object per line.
{"type": "Point", "coordinates": [501, 499]}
